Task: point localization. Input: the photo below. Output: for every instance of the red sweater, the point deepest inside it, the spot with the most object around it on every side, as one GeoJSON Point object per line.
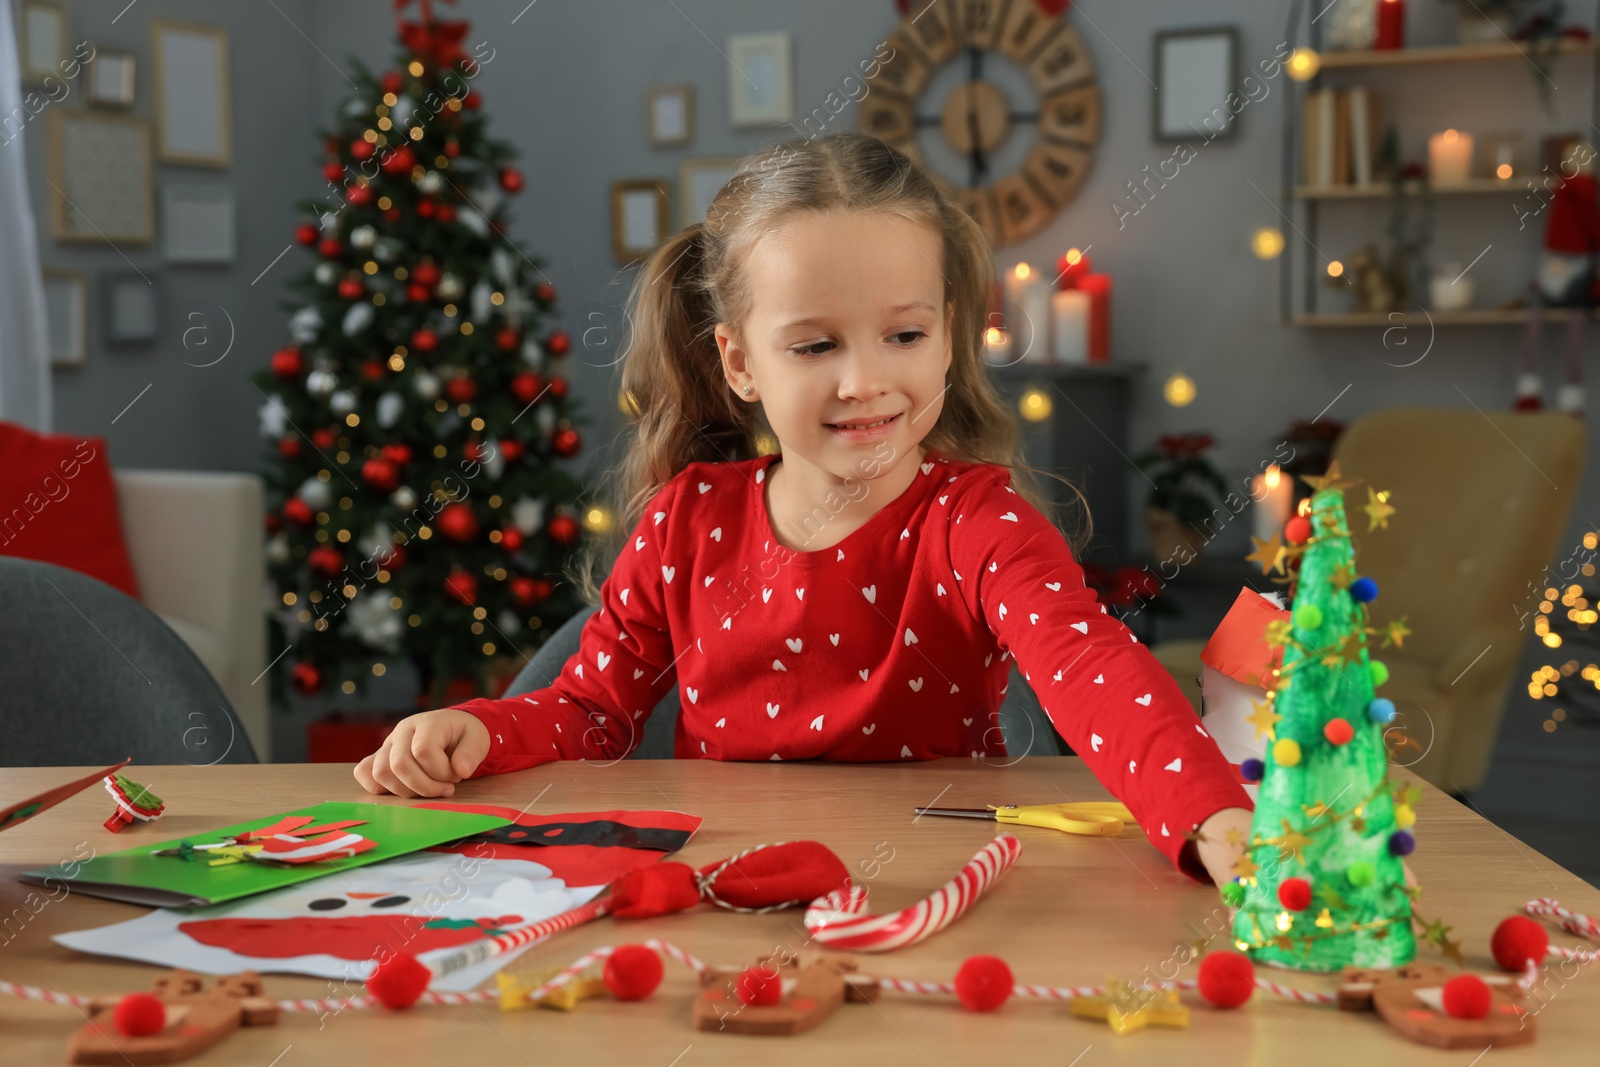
{"type": "Point", "coordinates": [891, 645]}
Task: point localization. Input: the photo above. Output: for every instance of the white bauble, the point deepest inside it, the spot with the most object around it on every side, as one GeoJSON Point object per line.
{"type": "Point", "coordinates": [431, 182]}
{"type": "Point", "coordinates": [426, 386]}
{"type": "Point", "coordinates": [342, 402]}
{"type": "Point", "coordinates": [384, 250]}
{"type": "Point", "coordinates": [316, 493]}
{"type": "Point", "coordinates": [404, 498]}
{"type": "Point", "coordinates": [473, 220]}
{"type": "Point", "coordinates": [482, 302]}
{"type": "Point", "coordinates": [401, 111]}
{"type": "Point", "coordinates": [532, 352]}
{"type": "Point", "coordinates": [390, 407]}
{"type": "Point", "coordinates": [500, 267]}
{"type": "Point", "coordinates": [450, 287]}
{"type": "Point", "coordinates": [321, 382]}
{"type": "Point", "coordinates": [357, 318]}
{"type": "Point", "coordinates": [355, 107]}
{"type": "Point", "coordinates": [329, 223]}
{"type": "Point", "coordinates": [277, 549]}
{"type": "Point", "coordinates": [508, 621]}
{"type": "Point", "coordinates": [325, 273]}
{"type": "Point", "coordinates": [274, 415]}
{"type": "Point", "coordinates": [527, 515]}
{"type": "Point", "coordinates": [374, 621]}
{"type": "Point", "coordinates": [495, 465]}
{"type": "Point", "coordinates": [486, 198]}
{"type": "Point", "coordinates": [363, 237]}
{"type": "Point", "coordinates": [305, 324]}
{"type": "Point", "coordinates": [545, 414]}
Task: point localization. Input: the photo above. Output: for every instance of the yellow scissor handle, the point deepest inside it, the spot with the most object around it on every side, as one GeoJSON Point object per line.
{"type": "Point", "coordinates": [1096, 818]}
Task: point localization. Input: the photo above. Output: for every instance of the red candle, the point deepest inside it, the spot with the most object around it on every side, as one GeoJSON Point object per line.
{"type": "Point", "coordinates": [1098, 286]}
{"type": "Point", "coordinates": [1072, 267]}
{"type": "Point", "coordinates": [1391, 25]}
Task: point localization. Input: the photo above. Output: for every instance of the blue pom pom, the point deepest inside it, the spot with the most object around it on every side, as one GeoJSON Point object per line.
{"type": "Point", "coordinates": [1381, 711]}
{"type": "Point", "coordinates": [1252, 769]}
{"type": "Point", "coordinates": [1401, 843]}
{"type": "Point", "coordinates": [1364, 590]}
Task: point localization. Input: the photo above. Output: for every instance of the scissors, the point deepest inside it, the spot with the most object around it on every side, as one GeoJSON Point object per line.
{"type": "Point", "coordinates": [1096, 818]}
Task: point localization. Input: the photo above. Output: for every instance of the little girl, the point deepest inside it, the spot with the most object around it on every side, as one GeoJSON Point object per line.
{"type": "Point", "coordinates": [857, 594]}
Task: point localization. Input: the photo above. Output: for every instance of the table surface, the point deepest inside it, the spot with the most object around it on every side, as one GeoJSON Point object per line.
{"type": "Point", "coordinates": [1072, 911]}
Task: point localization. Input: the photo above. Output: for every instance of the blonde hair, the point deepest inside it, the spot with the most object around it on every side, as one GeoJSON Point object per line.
{"type": "Point", "coordinates": [672, 375]}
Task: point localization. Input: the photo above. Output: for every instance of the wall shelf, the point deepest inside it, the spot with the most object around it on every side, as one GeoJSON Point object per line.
{"type": "Point", "coordinates": [1375, 190]}
{"type": "Point", "coordinates": [1450, 53]}
{"type": "Point", "coordinates": [1471, 317]}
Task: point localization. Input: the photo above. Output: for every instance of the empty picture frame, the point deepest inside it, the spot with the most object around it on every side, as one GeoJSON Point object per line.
{"type": "Point", "coordinates": [99, 167]}
{"type": "Point", "coordinates": [760, 82]}
{"type": "Point", "coordinates": [699, 181]}
{"type": "Point", "coordinates": [669, 112]}
{"type": "Point", "coordinates": [42, 40]}
{"type": "Point", "coordinates": [130, 308]}
{"type": "Point", "coordinates": [640, 212]}
{"type": "Point", "coordinates": [197, 222]}
{"type": "Point", "coordinates": [1196, 73]}
{"type": "Point", "coordinates": [110, 80]}
{"type": "Point", "coordinates": [192, 110]}
{"type": "Point", "coordinates": [66, 299]}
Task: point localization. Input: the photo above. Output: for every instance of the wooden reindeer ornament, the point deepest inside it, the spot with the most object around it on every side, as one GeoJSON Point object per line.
{"type": "Point", "coordinates": [778, 995]}
{"type": "Point", "coordinates": [1412, 999]}
{"type": "Point", "coordinates": [195, 1019]}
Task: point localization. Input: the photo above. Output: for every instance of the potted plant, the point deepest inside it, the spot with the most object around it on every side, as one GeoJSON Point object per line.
{"type": "Point", "coordinates": [1186, 491]}
{"type": "Point", "coordinates": [1486, 21]}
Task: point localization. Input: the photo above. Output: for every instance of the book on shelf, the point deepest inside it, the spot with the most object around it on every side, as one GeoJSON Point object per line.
{"type": "Point", "coordinates": [1339, 139]}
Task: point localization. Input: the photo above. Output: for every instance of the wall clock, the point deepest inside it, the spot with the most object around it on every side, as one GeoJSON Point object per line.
{"type": "Point", "coordinates": [975, 121]}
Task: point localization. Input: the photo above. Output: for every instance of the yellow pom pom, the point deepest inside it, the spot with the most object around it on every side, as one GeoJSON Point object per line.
{"type": "Point", "coordinates": [1286, 752]}
{"type": "Point", "coordinates": [1404, 817]}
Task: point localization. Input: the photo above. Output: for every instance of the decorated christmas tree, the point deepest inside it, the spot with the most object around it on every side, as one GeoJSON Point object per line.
{"type": "Point", "coordinates": [1321, 885]}
{"type": "Point", "coordinates": [416, 417]}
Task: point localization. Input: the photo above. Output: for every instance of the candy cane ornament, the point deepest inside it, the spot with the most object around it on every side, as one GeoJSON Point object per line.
{"type": "Point", "coordinates": [838, 920]}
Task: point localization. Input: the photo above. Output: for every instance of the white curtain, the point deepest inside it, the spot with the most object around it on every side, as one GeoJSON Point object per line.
{"type": "Point", "coordinates": [24, 336]}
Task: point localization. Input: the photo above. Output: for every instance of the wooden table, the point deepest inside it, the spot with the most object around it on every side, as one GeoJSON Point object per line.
{"type": "Point", "coordinates": [1073, 911]}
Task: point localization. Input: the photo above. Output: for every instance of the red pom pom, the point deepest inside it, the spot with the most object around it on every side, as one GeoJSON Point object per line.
{"type": "Point", "coordinates": [1517, 940]}
{"type": "Point", "coordinates": [139, 1015]}
{"type": "Point", "coordinates": [1466, 996]}
{"type": "Point", "coordinates": [659, 889]}
{"type": "Point", "coordinates": [399, 981]}
{"type": "Point", "coordinates": [983, 983]}
{"type": "Point", "coordinates": [1227, 979]}
{"type": "Point", "coordinates": [1339, 731]}
{"type": "Point", "coordinates": [759, 986]}
{"type": "Point", "coordinates": [632, 972]}
{"type": "Point", "coordinates": [1297, 530]}
{"type": "Point", "coordinates": [1295, 894]}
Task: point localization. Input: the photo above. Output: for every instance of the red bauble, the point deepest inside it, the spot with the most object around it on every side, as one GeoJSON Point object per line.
{"type": "Point", "coordinates": [352, 289]}
{"type": "Point", "coordinates": [397, 454]}
{"type": "Point", "coordinates": [461, 587]}
{"type": "Point", "coordinates": [525, 386]}
{"type": "Point", "coordinates": [566, 442]}
{"type": "Point", "coordinates": [563, 530]}
{"type": "Point", "coordinates": [461, 390]}
{"type": "Point", "coordinates": [545, 291]}
{"type": "Point", "coordinates": [1297, 530]}
{"type": "Point", "coordinates": [399, 981]}
{"type": "Point", "coordinates": [1466, 996]}
{"type": "Point", "coordinates": [324, 438]}
{"type": "Point", "coordinates": [1227, 979]}
{"type": "Point", "coordinates": [391, 214]}
{"type": "Point", "coordinates": [511, 449]}
{"type": "Point", "coordinates": [330, 145]}
{"type": "Point", "coordinates": [359, 195]}
{"type": "Point", "coordinates": [390, 557]}
{"type": "Point", "coordinates": [426, 274]}
{"type": "Point", "coordinates": [380, 475]}
{"type": "Point", "coordinates": [1339, 731]}
{"type": "Point", "coordinates": [632, 972]}
{"type": "Point", "coordinates": [524, 591]}
{"type": "Point", "coordinates": [458, 522]}
{"type": "Point", "coordinates": [306, 677]}
{"type": "Point", "coordinates": [1295, 894]}
{"type": "Point", "coordinates": [418, 294]}
{"type": "Point", "coordinates": [274, 523]}
{"type": "Point", "coordinates": [330, 248]}
{"type": "Point", "coordinates": [444, 213]}
{"type": "Point", "coordinates": [507, 338]}
{"type": "Point", "coordinates": [983, 983]}
{"type": "Point", "coordinates": [398, 162]}
{"type": "Point", "coordinates": [558, 388]}
{"type": "Point", "coordinates": [372, 370]}
{"type": "Point", "coordinates": [472, 452]}
{"type": "Point", "coordinates": [306, 234]}
{"type": "Point", "coordinates": [559, 344]}
{"type": "Point", "coordinates": [140, 1015]}
{"type": "Point", "coordinates": [426, 208]}
{"type": "Point", "coordinates": [759, 986]}
{"type": "Point", "coordinates": [424, 340]}
{"type": "Point", "coordinates": [511, 180]}
{"type": "Point", "coordinates": [288, 447]}
{"type": "Point", "coordinates": [298, 511]}
{"type": "Point", "coordinates": [390, 82]}
{"type": "Point", "coordinates": [361, 148]}
{"type": "Point", "coordinates": [333, 171]}
{"type": "Point", "coordinates": [325, 560]}
{"type": "Point", "coordinates": [472, 100]}
{"type": "Point", "coordinates": [511, 539]}
{"type": "Point", "coordinates": [288, 363]}
{"type": "Point", "coordinates": [452, 148]}
{"type": "Point", "coordinates": [1517, 940]}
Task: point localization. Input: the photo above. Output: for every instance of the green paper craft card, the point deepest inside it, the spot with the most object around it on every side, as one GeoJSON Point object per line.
{"type": "Point", "coordinates": [137, 877]}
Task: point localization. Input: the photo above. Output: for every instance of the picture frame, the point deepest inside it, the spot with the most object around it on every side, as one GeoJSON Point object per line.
{"type": "Point", "coordinates": [99, 169]}
{"type": "Point", "coordinates": [130, 308]}
{"type": "Point", "coordinates": [66, 300]}
{"type": "Point", "coordinates": [110, 79]}
{"type": "Point", "coordinates": [193, 116]}
{"type": "Point", "coordinates": [1196, 70]}
{"type": "Point", "coordinates": [669, 115]}
{"type": "Point", "coordinates": [197, 222]}
{"type": "Point", "coordinates": [699, 181]}
{"type": "Point", "coordinates": [760, 79]}
{"type": "Point", "coordinates": [640, 217]}
{"type": "Point", "coordinates": [41, 39]}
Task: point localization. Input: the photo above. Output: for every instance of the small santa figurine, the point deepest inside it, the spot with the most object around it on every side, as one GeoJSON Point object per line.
{"type": "Point", "coordinates": [1238, 665]}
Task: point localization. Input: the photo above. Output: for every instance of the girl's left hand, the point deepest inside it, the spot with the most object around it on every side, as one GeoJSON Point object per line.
{"type": "Point", "coordinates": [1220, 855]}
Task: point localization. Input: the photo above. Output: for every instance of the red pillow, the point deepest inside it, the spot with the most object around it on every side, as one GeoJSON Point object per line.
{"type": "Point", "coordinates": [58, 505]}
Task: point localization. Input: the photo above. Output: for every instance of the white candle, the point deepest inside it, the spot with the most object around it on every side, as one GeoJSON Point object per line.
{"type": "Point", "coordinates": [1274, 497]}
{"type": "Point", "coordinates": [1069, 325]}
{"type": "Point", "coordinates": [1450, 292]}
{"type": "Point", "coordinates": [1029, 321]}
{"type": "Point", "coordinates": [997, 345]}
{"type": "Point", "coordinates": [1450, 158]}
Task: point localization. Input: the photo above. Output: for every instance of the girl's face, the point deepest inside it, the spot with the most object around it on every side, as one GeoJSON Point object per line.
{"type": "Point", "coordinates": [847, 341]}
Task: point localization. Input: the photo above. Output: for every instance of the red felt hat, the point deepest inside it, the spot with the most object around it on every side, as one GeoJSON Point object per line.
{"type": "Point", "coordinates": [759, 879]}
{"type": "Point", "coordinates": [1239, 646]}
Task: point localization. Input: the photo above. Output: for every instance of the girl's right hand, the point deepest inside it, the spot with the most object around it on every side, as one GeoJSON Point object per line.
{"type": "Point", "coordinates": [426, 754]}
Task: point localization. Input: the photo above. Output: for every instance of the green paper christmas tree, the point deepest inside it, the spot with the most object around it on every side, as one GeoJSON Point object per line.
{"type": "Point", "coordinates": [1321, 885]}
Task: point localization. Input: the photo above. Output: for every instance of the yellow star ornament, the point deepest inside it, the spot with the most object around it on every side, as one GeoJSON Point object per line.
{"type": "Point", "coordinates": [1269, 553]}
{"type": "Point", "coordinates": [1264, 719]}
{"type": "Point", "coordinates": [1378, 509]}
{"type": "Point", "coordinates": [1127, 1009]}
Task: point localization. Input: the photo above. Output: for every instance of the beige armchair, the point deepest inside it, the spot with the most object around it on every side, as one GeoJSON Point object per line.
{"type": "Point", "coordinates": [1482, 501]}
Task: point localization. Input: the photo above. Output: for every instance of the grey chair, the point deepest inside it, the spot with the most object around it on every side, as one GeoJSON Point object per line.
{"type": "Point", "coordinates": [91, 676]}
{"type": "Point", "coordinates": [1026, 728]}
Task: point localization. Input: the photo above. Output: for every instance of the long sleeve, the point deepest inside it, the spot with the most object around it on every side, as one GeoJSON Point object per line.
{"type": "Point", "coordinates": [596, 708]}
{"type": "Point", "coordinates": [1112, 701]}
